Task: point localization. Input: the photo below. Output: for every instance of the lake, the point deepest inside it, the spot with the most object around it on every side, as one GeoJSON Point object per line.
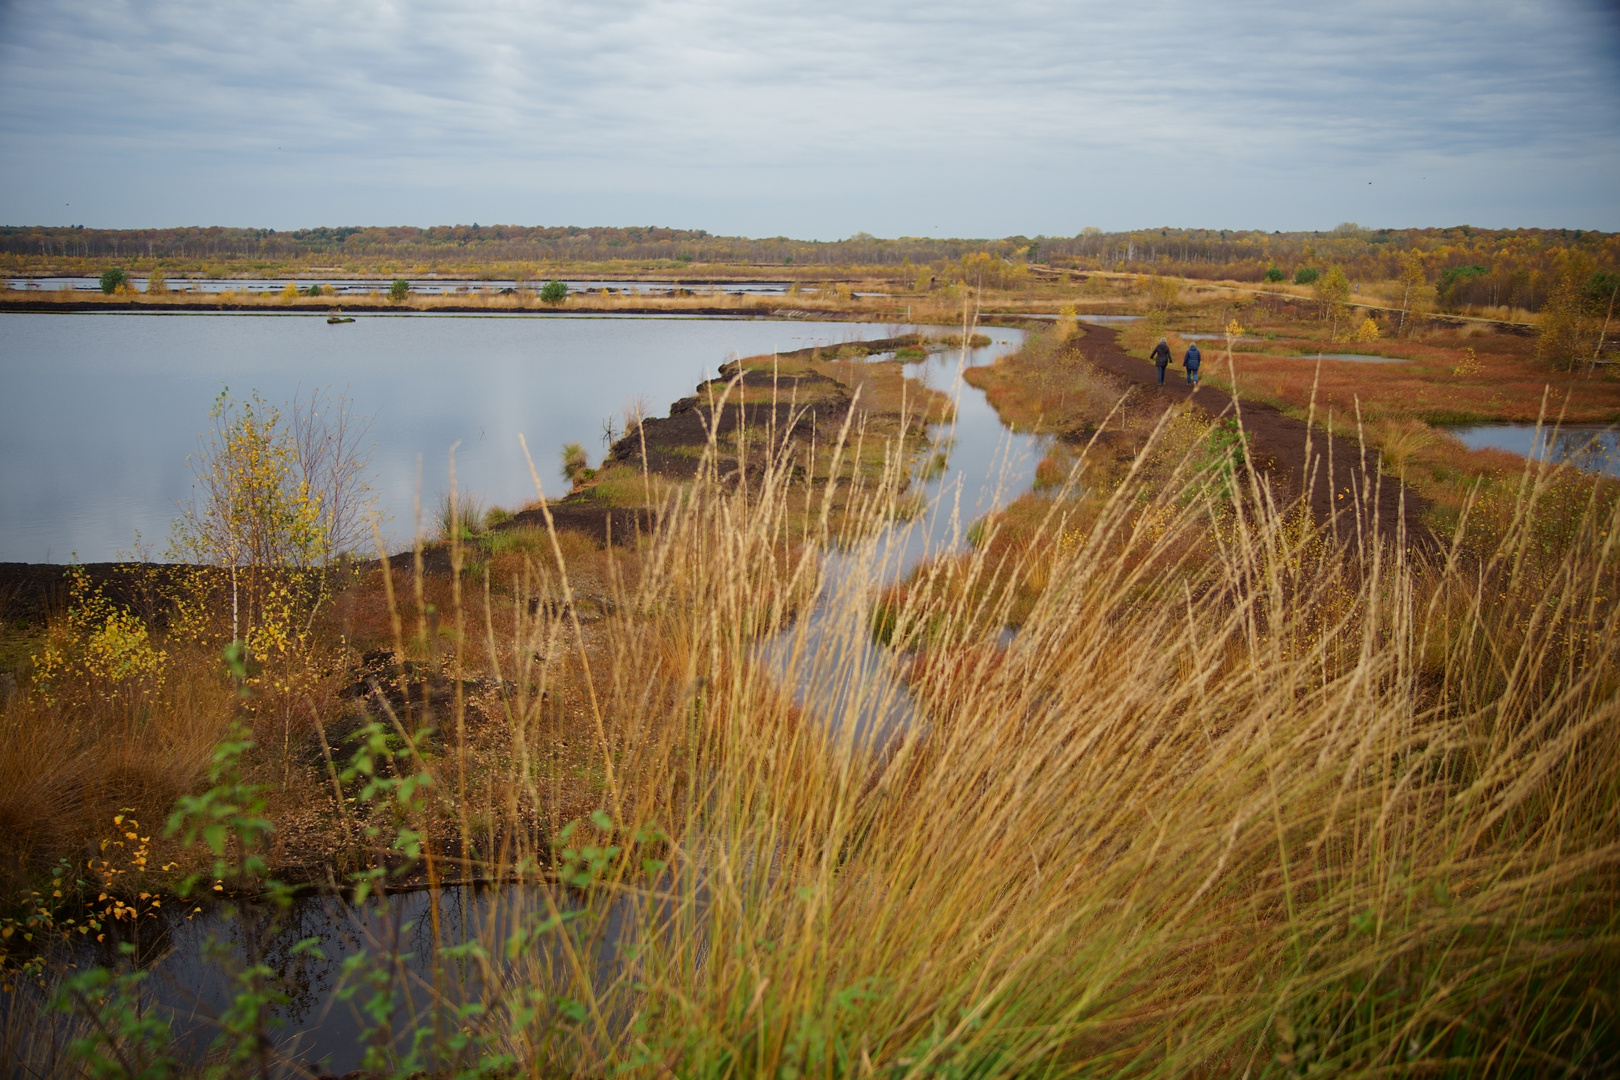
{"type": "Point", "coordinates": [100, 410]}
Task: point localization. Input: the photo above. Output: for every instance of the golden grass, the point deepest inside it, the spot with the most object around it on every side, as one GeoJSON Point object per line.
{"type": "Point", "coordinates": [1274, 804]}
{"type": "Point", "coordinates": [1233, 800]}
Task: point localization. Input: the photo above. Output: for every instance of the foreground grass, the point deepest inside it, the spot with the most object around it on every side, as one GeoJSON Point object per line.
{"type": "Point", "coordinates": [1233, 801]}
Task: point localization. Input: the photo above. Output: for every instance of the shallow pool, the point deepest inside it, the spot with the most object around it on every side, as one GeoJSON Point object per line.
{"type": "Point", "coordinates": [1356, 358]}
{"type": "Point", "coordinates": [1591, 448]}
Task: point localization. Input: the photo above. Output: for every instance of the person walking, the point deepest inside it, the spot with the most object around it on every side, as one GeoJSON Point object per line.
{"type": "Point", "coordinates": [1190, 362]}
{"type": "Point", "coordinates": [1161, 358]}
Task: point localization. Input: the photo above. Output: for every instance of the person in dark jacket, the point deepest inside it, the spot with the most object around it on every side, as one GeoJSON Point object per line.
{"type": "Point", "coordinates": [1161, 358]}
{"type": "Point", "coordinates": [1190, 362]}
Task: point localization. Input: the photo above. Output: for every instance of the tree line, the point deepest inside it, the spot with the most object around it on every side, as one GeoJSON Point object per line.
{"type": "Point", "coordinates": [1469, 267]}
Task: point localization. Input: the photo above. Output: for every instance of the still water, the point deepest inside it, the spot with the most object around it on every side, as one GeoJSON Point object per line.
{"type": "Point", "coordinates": [1589, 447]}
{"type": "Point", "coordinates": [1356, 358]}
{"type": "Point", "coordinates": [99, 412]}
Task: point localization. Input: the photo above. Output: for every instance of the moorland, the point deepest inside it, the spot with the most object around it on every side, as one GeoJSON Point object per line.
{"type": "Point", "coordinates": [1270, 732]}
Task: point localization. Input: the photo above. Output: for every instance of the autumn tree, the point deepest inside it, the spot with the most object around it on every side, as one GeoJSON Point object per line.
{"type": "Point", "coordinates": [1570, 319]}
{"type": "Point", "coordinates": [273, 494]}
{"type": "Point", "coordinates": [1412, 279]}
{"type": "Point", "coordinates": [1332, 291]}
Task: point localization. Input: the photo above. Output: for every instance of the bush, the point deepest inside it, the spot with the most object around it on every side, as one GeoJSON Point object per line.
{"type": "Point", "coordinates": [1274, 274]}
{"type": "Point", "coordinates": [554, 292]}
{"type": "Point", "coordinates": [1306, 275]}
{"type": "Point", "coordinates": [461, 517]}
{"type": "Point", "coordinates": [399, 290]}
{"type": "Point", "coordinates": [574, 462]}
{"type": "Point", "coordinates": [113, 280]}
{"type": "Point", "coordinates": [314, 290]}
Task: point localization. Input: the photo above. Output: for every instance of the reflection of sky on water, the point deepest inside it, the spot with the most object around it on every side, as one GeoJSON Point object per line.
{"type": "Point", "coordinates": [189, 987]}
{"type": "Point", "coordinates": [1587, 447]}
{"type": "Point", "coordinates": [843, 676]}
{"type": "Point", "coordinates": [100, 411]}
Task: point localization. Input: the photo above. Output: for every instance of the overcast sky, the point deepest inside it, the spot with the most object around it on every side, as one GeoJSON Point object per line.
{"type": "Point", "coordinates": [815, 119]}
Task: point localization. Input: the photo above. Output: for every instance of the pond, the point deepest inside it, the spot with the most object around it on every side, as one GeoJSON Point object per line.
{"type": "Point", "coordinates": [101, 410]}
{"type": "Point", "coordinates": [1589, 447]}
{"type": "Point", "coordinates": [1356, 358]}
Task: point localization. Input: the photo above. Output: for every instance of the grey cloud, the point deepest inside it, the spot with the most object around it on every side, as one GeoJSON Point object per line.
{"type": "Point", "coordinates": [818, 116]}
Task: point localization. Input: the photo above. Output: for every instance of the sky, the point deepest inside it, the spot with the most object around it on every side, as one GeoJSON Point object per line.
{"type": "Point", "coordinates": [813, 120]}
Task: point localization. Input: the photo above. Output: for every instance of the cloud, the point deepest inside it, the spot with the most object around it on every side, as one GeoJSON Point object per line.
{"type": "Point", "coordinates": [819, 118]}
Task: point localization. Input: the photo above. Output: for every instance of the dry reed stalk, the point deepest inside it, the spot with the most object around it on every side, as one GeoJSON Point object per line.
{"type": "Point", "coordinates": [1270, 804]}
{"type": "Point", "coordinates": [1234, 799]}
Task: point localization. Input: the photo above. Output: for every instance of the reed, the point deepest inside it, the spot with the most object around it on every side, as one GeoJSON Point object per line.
{"type": "Point", "coordinates": [1233, 801]}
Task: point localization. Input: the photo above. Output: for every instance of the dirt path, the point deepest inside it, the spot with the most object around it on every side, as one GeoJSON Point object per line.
{"type": "Point", "coordinates": [1277, 443]}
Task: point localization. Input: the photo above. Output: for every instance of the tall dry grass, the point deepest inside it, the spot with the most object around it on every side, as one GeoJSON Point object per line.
{"type": "Point", "coordinates": [1233, 801]}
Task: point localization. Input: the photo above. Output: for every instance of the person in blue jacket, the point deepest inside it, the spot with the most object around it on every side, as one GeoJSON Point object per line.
{"type": "Point", "coordinates": [1161, 358]}
{"type": "Point", "coordinates": [1190, 362]}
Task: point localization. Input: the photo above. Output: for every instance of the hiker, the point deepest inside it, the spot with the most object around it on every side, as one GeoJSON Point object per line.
{"type": "Point", "coordinates": [1161, 358]}
{"type": "Point", "coordinates": [1191, 362]}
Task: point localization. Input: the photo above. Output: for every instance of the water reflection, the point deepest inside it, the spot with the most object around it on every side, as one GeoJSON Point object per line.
{"type": "Point", "coordinates": [841, 674]}
{"type": "Point", "coordinates": [1588, 447]}
{"type": "Point", "coordinates": [326, 958]}
{"type": "Point", "coordinates": [1357, 358]}
{"type": "Point", "coordinates": [100, 411]}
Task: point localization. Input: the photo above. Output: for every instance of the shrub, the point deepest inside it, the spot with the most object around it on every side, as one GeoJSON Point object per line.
{"type": "Point", "coordinates": [1306, 275]}
{"type": "Point", "coordinates": [1274, 274]}
{"type": "Point", "coordinates": [575, 464]}
{"type": "Point", "coordinates": [399, 290]}
{"type": "Point", "coordinates": [113, 280]}
{"type": "Point", "coordinates": [314, 290]}
{"type": "Point", "coordinates": [554, 292]}
{"type": "Point", "coordinates": [156, 283]}
{"type": "Point", "coordinates": [461, 517]}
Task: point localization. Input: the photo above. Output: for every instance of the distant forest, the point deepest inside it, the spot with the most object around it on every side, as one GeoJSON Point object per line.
{"type": "Point", "coordinates": [1494, 267]}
